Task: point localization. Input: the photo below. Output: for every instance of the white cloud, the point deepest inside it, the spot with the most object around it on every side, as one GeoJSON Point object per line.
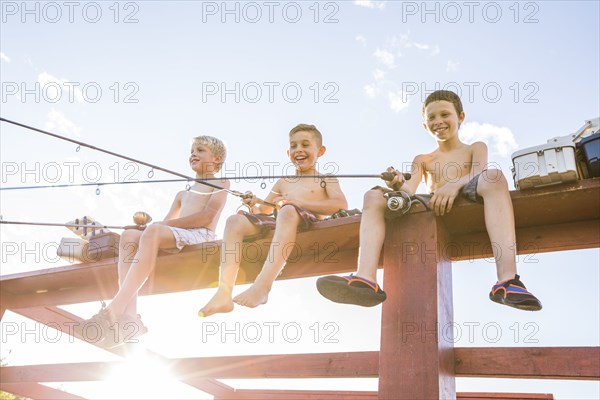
{"type": "Point", "coordinates": [385, 57]}
{"type": "Point", "coordinates": [452, 66]}
{"type": "Point", "coordinates": [435, 50]}
{"type": "Point", "coordinates": [58, 123]}
{"type": "Point", "coordinates": [361, 39]}
{"type": "Point", "coordinates": [380, 5]}
{"type": "Point", "coordinates": [4, 57]}
{"type": "Point", "coordinates": [500, 140]}
{"type": "Point", "coordinates": [66, 87]}
{"type": "Point", "coordinates": [398, 101]}
{"type": "Point", "coordinates": [378, 74]}
{"type": "Point", "coordinates": [371, 90]}
{"type": "Point", "coordinates": [421, 46]}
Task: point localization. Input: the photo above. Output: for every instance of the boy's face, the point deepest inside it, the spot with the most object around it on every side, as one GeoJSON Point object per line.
{"type": "Point", "coordinates": [441, 120]}
{"type": "Point", "coordinates": [202, 159]}
{"type": "Point", "coordinates": [304, 150]}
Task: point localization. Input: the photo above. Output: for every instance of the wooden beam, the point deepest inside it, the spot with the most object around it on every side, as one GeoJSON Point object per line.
{"type": "Point", "coordinates": [504, 396]}
{"type": "Point", "coordinates": [244, 394]}
{"type": "Point", "coordinates": [36, 391]}
{"type": "Point", "coordinates": [330, 247]}
{"type": "Point", "coordinates": [418, 282]}
{"type": "Point", "coordinates": [542, 217]}
{"type": "Point", "coordinates": [568, 363]}
{"type": "Point", "coordinates": [579, 363]}
{"type": "Point", "coordinates": [347, 365]}
{"type": "Point", "coordinates": [64, 321]}
{"type": "Point", "coordinates": [576, 201]}
{"type": "Point", "coordinates": [530, 241]}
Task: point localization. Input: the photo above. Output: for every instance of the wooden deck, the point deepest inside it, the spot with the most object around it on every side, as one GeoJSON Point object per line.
{"type": "Point", "coordinates": [556, 218]}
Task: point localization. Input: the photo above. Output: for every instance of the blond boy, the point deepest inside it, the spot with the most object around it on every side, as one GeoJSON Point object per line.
{"type": "Point", "coordinates": [192, 219]}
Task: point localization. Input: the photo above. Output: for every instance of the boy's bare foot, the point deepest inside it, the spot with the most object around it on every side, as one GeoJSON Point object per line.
{"type": "Point", "coordinates": [220, 303]}
{"type": "Point", "coordinates": [254, 296]}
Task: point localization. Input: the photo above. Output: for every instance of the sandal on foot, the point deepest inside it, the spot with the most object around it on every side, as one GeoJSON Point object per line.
{"type": "Point", "coordinates": [351, 289]}
{"type": "Point", "coordinates": [513, 293]}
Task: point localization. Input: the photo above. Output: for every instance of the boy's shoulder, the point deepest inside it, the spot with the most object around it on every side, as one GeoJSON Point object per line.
{"type": "Point", "coordinates": [464, 147]}
{"type": "Point", "coordinates": [224, 183]}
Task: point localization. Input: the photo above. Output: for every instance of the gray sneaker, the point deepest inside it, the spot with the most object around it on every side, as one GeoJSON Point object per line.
{"type": "Point", "coordinates": [94, 329]}
{"type": "Point", "coordinates": [126, 330]}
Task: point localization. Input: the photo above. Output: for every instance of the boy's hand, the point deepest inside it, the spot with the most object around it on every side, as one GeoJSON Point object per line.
{"type": "Point", "coordinates": [443, 199]}
{"type": "Point", "coordinates": [249, 199]}
{"type": "Point", "coordinates": [281, 200]}
{"type": "Point", "coordinates": [398, 180]}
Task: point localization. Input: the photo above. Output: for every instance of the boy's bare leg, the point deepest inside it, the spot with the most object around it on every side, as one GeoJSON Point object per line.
{"type": "Point", "coordinates": [236, 228]}
{"type": "Point", "coordinates": [154, 238]}
{"type": "Point", "coordinates": [372, 234]}
{"type": "Point", "coordinates": [128, 246]}
{"type": "Point", "coordinates": [285, 233]}
{"type": "Point", "coordinates": [499, 221]}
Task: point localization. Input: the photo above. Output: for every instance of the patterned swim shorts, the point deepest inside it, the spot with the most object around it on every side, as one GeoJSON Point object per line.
{"type": "Point", "coordinates": [187, 237]}
{"type": "Point", "coordinates": [266, 223]}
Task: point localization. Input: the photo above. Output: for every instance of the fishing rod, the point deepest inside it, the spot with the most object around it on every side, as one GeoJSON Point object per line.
{"type": "Point", "coordinates": [140, 218]}
{"type": "Point", "coordinates": [92, 227]}
{"type": "Point", "coordinates": [386, 176]}
{"type": "Point", "coordinates": [80, 143]}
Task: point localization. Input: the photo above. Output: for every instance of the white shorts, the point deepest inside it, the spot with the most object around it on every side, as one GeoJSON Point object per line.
{"type": "Point", "coordinates": [187, 237]}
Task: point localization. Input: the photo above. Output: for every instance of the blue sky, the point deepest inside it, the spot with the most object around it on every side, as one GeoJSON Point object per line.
{"type": "Point", "coordinates": [146, 77]}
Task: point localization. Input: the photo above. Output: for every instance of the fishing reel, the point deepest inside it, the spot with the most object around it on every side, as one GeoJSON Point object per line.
{"type": "Point", "coordinates": [398, 201]}
{"type": "Point", "coordinates": [141, 219]}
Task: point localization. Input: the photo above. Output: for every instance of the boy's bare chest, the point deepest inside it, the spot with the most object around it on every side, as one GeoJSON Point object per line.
{"type": "Point", "coordinates": [446, 167]}
{"type": "Point", "coordinates": [303, 188]}
{"type": "Point", "coordinates": [194, 200]}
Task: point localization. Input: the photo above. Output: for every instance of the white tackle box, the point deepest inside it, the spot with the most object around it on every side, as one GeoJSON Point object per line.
{"type": "Point", "coordinates": [551, 163]}
{"type": "Point", "coordinates": [546, 164]}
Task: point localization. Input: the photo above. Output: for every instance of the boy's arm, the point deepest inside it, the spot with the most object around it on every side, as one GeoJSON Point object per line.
{"type": "Point", "coordinates": [335, 201]}
{"type": "Point", "coordinates": [175, 207]}
{"type": "Point", "coordinates": [444, 197]}
{"type": "Point", "coordinates": [211, 210]}
{"type": "Point", "coordinates": [261, 208]}
{"type": "Point", "coordinates": [410, 186]}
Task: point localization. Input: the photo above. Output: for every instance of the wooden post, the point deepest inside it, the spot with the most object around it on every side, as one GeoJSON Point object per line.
{"type": "Point", "coordinates": [416, 359]}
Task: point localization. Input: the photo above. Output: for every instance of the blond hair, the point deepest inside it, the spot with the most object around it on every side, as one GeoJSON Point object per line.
{"type": "Point", "coordinates": [216, 146]}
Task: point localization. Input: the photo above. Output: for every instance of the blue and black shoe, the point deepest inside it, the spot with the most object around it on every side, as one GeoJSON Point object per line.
{"type": "Point", "coordinates": [513, 293]}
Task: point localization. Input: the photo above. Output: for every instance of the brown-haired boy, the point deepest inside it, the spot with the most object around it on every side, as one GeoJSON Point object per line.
{"type": "Point", "coordinates": [442, 115]}
{"type": "Point", "coordinates": [303, 201]}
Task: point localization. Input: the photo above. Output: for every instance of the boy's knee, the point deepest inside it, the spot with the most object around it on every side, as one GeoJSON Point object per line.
{"type": "Point", "coordinates": [373, 198]}
{"type": "Point", "coordinates": [238, 223]}
{"type": "Point", "coordinates": [235, 220]}
{"type": "Point", "coordinates": [129, 236]}
{"type": "Point", "coordinates": [492, 179]}
{"type": "Point", "coordinates": [151, 232]}
{"type": "Point", "coordinates": [288, 215]}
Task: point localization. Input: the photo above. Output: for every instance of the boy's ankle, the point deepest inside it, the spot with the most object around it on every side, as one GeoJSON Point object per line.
{"type": "Point", "coordinates": [507, 276]}
{"type": "Point", "coordinates": [263, 284]}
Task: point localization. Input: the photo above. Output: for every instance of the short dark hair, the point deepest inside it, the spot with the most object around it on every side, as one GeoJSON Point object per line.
{"type": "Point", "coordinates": [308, 128]}
{"type": "Point", "coordinates": [445, 95]}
